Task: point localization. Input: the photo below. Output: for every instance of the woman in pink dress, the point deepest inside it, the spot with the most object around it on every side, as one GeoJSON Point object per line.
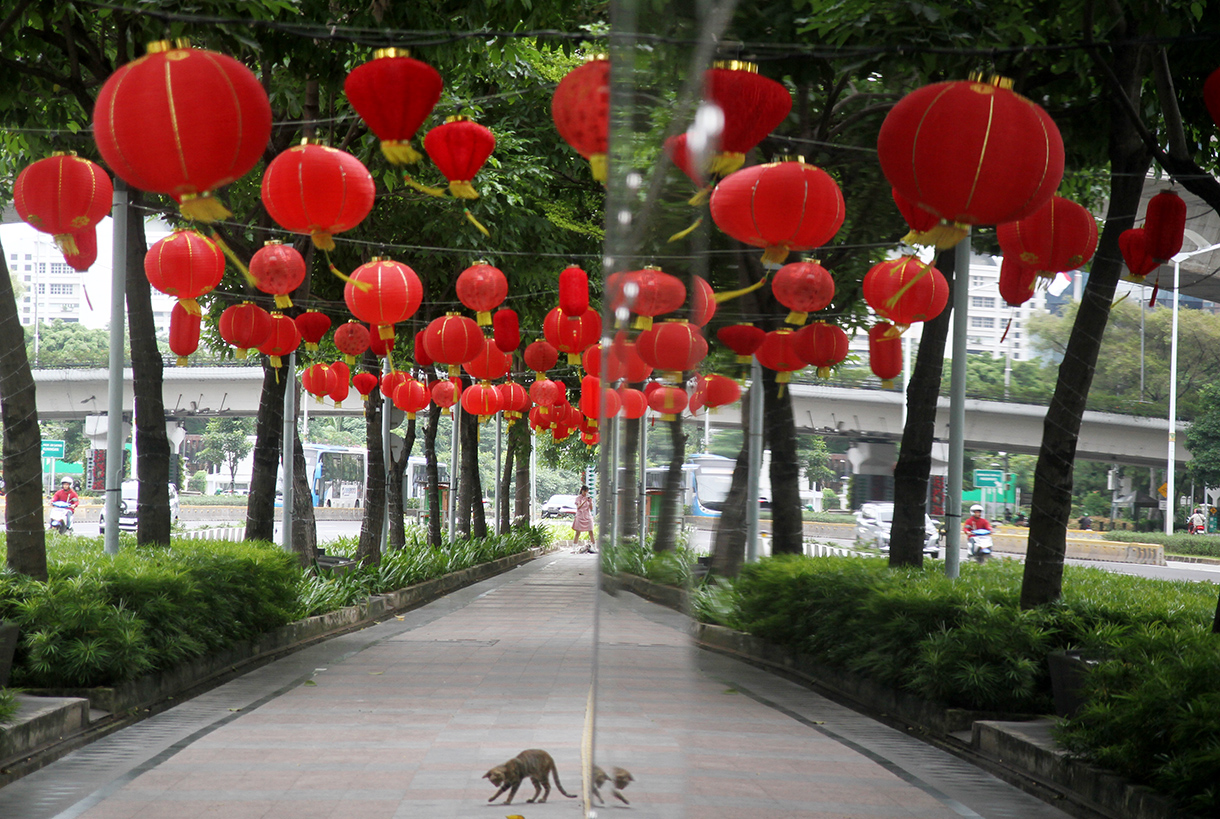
{"type": "Point", "coordinates": [583, 521]}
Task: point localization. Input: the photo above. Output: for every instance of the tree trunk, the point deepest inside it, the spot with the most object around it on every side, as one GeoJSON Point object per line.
{"type": "Point", "coordinates": [151, 441]}
{"type": "Point", "coordinates": [505, 485]}
{"type": "Point", "coordinates": [27, 539]}
{"type": "Point", "coordinates": [629, 478]}
{"type": "Point", "coordinates": [524, 446]}
{"type": "Point", "coordinates": [304, 527]}
{"type": "Point", "coordinates": [398, 475]}
{"type": "Point", "coordinates": [1042, 581]}
{"type": "Point", "coordinates": [477, 526]}
{"type": "Point", "coordinates": [432, 490]}
{"type": "Point", "coordinates": [673, 496]}
{"type": "Point", "coordinates": [729, 544]}
{"type": "Point", "coordinates": [268, 436]}
{"type": "Point", "coordinates": [907, 531]}
{"type": "Point", "coordinates": [368, 552]}
{"type": "Point", "coordinates": [779, 428]}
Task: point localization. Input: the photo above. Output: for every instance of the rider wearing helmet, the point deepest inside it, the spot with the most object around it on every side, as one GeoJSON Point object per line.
{"type": "Point", "coordinates": [67, 495]}
{"type": "Point", "coordinates": [976, 520]}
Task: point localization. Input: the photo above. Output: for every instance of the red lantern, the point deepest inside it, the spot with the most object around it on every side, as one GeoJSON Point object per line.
{"type": "Point", "coordinates": [380, 347]}
{"type": "Point", "coordinates": [317, 190]}
{"type": "Point", "coordinates": [277, 269]}
{"type": "Point", "coordinates": [481, 288]}
{"type": "Point", "coordinates": [971, 152]}
{"type": "Point", "coordinates": [1211, 96]}
{"type": "Point", "coordinates": [631, 367]}
{"type": "Point", "coordinates": [283, 340]}
{"type": "Point", "coordinates": [453, 340]}
{"type": "Point", "coordinates": [821, 345]}
{"type": "Point", "coordinates": [885, 352]}
{"type": "Point", "coordinates": [778, 352]}
{"type": "Point", "coordinates": [365, 383]}
{"type": "Point", "coordinates": [905, 290]}
{"type": "Point", "coordinates": [506, 330]}
{"type": "Point", "coordinates": [656, 293]}
{"type": "Point", "coordinates": [573, 291]}
{"type": "Point", "coordinates": [804, 288]}
{"type": "Point", "coordinates": [581, 110]}
{"type": "Point", "coordinates": [927, 228]}
{"type": "Point", "coordinates": [318, 380]}
{"type": "Point", "coordinates": [572, 334]}
{"type": "Point", "coordinates": [183, 333]}
{"type": "Point", "coordinates": [420, 350]}
{"type": "Point", "coordinates": [717, 390]}
{"type": "Point", "coordinates": [634, 402]}
{"type": "Point", "coordinates": [514, 400]}
{"type": "Point", "coordinates": [546, 393]}
{"type": "Point", "coordinates": [63, 195]}
{"type": "Point", "coordinates": [678, 151]}
{"type": "Point", "coordinates": [753, 106]}
{"type": "Point", "coordinates": [391, 381]}
{"type": "Point", "coordinates": [482, 400]}
{"type": "Point", "coordinates": [352, 339]}
{"type": "Point", "coordinates": [743, 339]}
{"type": "Point", "coordinates": [703, 302]}
{"type": "Point", "coordinates": [1016, 282]}
{"type": "Point", "coordinates": [86, 250]}
{"type": "Point", "coordinates": [383, 293]}
{"type": "Point", "coordinates": [591, 359]}
{"type": "Point", "coordinates": [540, 357]}
{"type": "Point", "coordinates": [1057, 237]}
{"type": "Point", "coordinates": [411, 397]}
{"type": "Point", "coordinates": [669, 401]}
{"type": "Point", "coordinates": [312, 325]}
{"type": "Point", "coordinates": [597, 402]}
{"type": "Point", "coordinates": [674, 347]}
{"type": "Point", "coordinates": [1133, 244]}
{"type": "Point", "coordinates": [781, 207]}
{"type": "Point", "coordinates": [394, 94]}
{"type": "Point", "coordinates": [245, 326]}
{"type": "Point", "coordinates": [459, 148]}
{"type": "Point", "coordinates": [182, 122]}
{"type": "Point", "coordinates": [1164, 225]}
{"type": "Point", "coordinates": [343, 378]}
{"type": "Point", "coordinates": [186, 265]}
{"type": "Point", "coordinates": [489, 363]}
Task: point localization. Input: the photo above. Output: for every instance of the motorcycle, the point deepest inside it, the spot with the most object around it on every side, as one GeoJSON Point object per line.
{"type": "Point", "coordinates": [60, 518]}
{"type": "Point", "coordinates": [978, 544]}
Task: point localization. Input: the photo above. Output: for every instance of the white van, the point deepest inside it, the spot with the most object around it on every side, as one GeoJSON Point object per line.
{"type": "Point", "coordinates": [128, 500]}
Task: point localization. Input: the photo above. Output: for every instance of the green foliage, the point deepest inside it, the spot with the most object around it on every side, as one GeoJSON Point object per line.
{"type": "Point", "coordinates": [830, 499]}
{"type": "Point", "coordinates": [669, 568]}
{"type": "Point", "coordinates": [1203, 439]}
{"type": "Point", "coordinates": [8, 705]}
{"type": "Point", "coordinates": [1178, 544]}
{"type": "Point", "coordinates": [199, 482]}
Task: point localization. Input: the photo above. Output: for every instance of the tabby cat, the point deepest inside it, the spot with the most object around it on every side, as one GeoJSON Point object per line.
{"type": "Point", "coordinates": [622, 777]}
{"type": "Point", "coordinates": [534, 764]}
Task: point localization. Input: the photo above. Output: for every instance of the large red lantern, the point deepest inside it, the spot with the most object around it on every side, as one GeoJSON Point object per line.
{"type": "Point", "coordinates": [753, 106]}
{"type": "Point", "coordinates": [655, 294]}
{"type": "Point", "coordinates": [821, 345]}
{"type": "Point", "coordinates": [481, 288]}
{"type": "Point", "coordinates": [185, 265]}
{"type": "Point", "coordinates": [591, 360]}
{"type": "Point", "coordinates": [1057, 237]}
{"type": "Point", "coordinates": [183, 333]}
{"type": "Point", "coordinates": [669, 401]}
{"type": "Point", "coordinates": [313, 326]}
{"type": "Point", "coordinates": [778, 353]}
{"type": "Point", "coordinates": [245, 326]}
{"type": "Point", "coordinates": [804, 288]}
{"type": "Point", "coordinates": [885, 352]}
{"type": "Point", "coordinates": [905, 290]}
{"type": "Point", "coordinates": [573, 291]}
{"type": "Point", "coordinates": [420, 351]}
{"type": "Point", "coordinates": [365, 383]}
{"type": "Point", "coordinates": [453, 340]}
{"type": "Point", "coordinates": [634, 402]}
{"type": "Point", "coordinates": [506, 330]}
{"type": "Point", "coordinates": [383, 293]}
{"type": "Point", "coordinates": [482, 400]}
{"type": "Point", "coordinates": [63, 195]}
{"type": "Point", "coordinates": [514, 400]}
{"type": "Point", "coordinates": [411, 397]}
{"type": "Point", "coordinates": [394, 94]}
{"type": "Point", "coordinates": [742, 339]}
{"type": "Point", "coordinates": [581, 110]}
{"type": "Point", "coordinates": [318, 380]}
{"type": "Point", "coordinates": [459, 148]}
{"type": "Point", "coordinates": [391, 381]}
{"type": "Point", "coordinates": [717, 390]}
{"type": "Point", "coordinates": [783, 206]}
{"type": "Point", "coordinates": [1016, 282]}
{"type": "Point", "coordinates": [351, 339]}
{"type": "Point", "coordinates": [182, 121]}
{"type": "Point", "coordinates": [283, 340]}
{"type": "Point", "coordinates": [277, 269]}
{"type": "Point", "coordinates": [380, 347]}
{"type": "Point", "coordinates": [545, 392]}
{"type": "Point", "coordinates": [343, 385]}
{"type": "Point", "coordinates": [627, 360]}
{"type": "Point", "coordinates": [672, 346]}
{"type": "Point", "coordinates": [1133, 244]}
{"type": "Point", "coordinates": [489, 363]}
{"type": "Point", "coordinates": [572, 334]}
{"type": "Point", "coordinates": [1165, 225]}
{"type": "Point", "coordinates": [927, 228]}
{"type": "Point", "coordinates": [972, 152]}
{"type": "Point", "coordinates": [540, 357]}
{"type": "Point", "coordinates": [86, 250]}
{"type": "Point", "coordinates": [317, 190]}
{"type": "Point", "coordinates": [703, 302]}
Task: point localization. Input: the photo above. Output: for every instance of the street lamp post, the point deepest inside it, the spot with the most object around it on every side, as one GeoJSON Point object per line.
{"type": "Point", "coordinates": [1173, 385]}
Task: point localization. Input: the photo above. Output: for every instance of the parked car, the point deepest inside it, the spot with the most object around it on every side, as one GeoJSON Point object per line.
{"type": "Point", "coordinates": [873, 521]}
{"type": "Point", "coordinates": [559, 505]}
{"type": "Point", "coordinates": [128, 500]}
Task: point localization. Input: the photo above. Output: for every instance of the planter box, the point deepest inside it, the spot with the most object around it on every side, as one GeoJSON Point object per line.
{"type": "Point", "coordinates": [1068, 671]}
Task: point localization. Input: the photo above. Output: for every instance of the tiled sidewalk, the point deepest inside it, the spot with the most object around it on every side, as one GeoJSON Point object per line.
{"type": "Point", "coordinates": [406, 719]}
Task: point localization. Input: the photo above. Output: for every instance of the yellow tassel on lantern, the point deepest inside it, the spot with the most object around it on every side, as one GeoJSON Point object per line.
{"type": "Point", "coordinates": [725, 163]}
{"type": "Point", "coordinates": [470, 218]}
{"type": "Point", "coordinates": [364, 398]}
{"type": "Point", "coordinates": [482, 318]}
{"type": "Point", "coordinates": [190, 306]}
{"type": "Point", "coordinates": [600, 164]}
{"type": "Point", "coordinates": [203, 207]}
{"type": "Point", "coordinates": [896, 330]}
{"type": "Point", "coordinates": [573, 358]}
{"type": "Point", "coordinates": [310, 346]}
{"type": "Point", "coordinates": [682, 234]}
{"type": "Point", "coordinates": [887, 383]}
{"type": "Point", "coordinates": [282, 302]}
{"type": "Point", "coordinates": [322, 240]}
{"type": "Point", "coordinates": [453, 371]}
{"type": "Point", "coordinates": [943, 236]}
{"type": "Point", "coordinates": [744, 359]}
{"type": "Point", "coordinates": [796, 318]}
{"type": "Point", "coordinates": [183, 361]}
{"type": "Point", "coordinates": [823, 372]}
{"type": "Point", "coordinates": [643, 323]}
{"type": "Point", "coordinates": [385, 331]}
{"type": "Point", "coordinates": [400, 153]}
{"type": "Point", "coordinates": [729, 295]}
{"type": "Point", "coordinates": [66, 243]}
{"type": "Point", "coordinates": [231, 256]}
{"type": "Point", "coordinates": [343, 277]}
{"type": "Point", "coordinates": [775, 254]}
{"type": "Point", "coordinates": [410, 182]}
{"type": "Point", "coordinates": [462, 189]}
{"type": "Point", "coordinates": [241, 353]}
{"type": "Point", "coordinates": [700, 197]}
{"type": "Point", "coordinates": [350, 359]}
{"type": "Point", "coordinates": [338, 404]}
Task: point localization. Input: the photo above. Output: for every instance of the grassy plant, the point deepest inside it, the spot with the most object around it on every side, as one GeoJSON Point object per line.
{"type": "Point", "coordinates": [1178, 544]}
{"type": "Point", "coordinates": [8, 706]}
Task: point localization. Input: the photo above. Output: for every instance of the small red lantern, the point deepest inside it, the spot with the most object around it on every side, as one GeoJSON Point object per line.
{"type": "Point", "coordinates": [656, 293]}
{"type": "Point", "coordinates": [514, 400]}
{"type": "Point", "coordinates": [277, 269]}
{"type": "Point", "coordinates": [540, 357]}
{"type": "Point", "coordinates": [380, 347]}
{"type": "Point", "coordinates": [343, 385]}
{"type": "Point", "coordinates": [318, 380]}
{"type": "Point", "coordinates": [669, 401]}
{"type": "Point", "coordinates": [506, 330]}
{"type": "Point", "coordinates": [459, 148]}
{"type": "Point", "coordinates": [821, 345]}
{"type": "Point", "coordinates": [63, 195]}
{"type": "Point", "coordinates": [351, 339]}
{"type": "Point", "coordinates": [411, 397]}
{"type": "Point", "coordinates": [804, 288]}
{"type": "Point", "coordinates": [597, 402]}
{"type": "Point", "coordinates": [581, 110]}
{"type": "Point", "coordinates": [546, 393]}
{"type": "Point", "coordinates": [1165, 225]}
{"type": "Point", "coordinates": [489, 364]}
{"type": "Point", "coordinates": [481, 288]}
{"type": "Point", "coordinates": [573, 291]}
{"type": "Point", "coordinates": [971, 152]}
{"type": "Point", "coordinates": [778, 352]}
{"type": "Point", "coordinates": [1133, 244]}
{"type": "Point", "coordinates": [420, 351]}
{"type": "Point", "coordinates": [313, 326]}
{"type": "Point", "coordinates": [186, 265]}
{"type": "Point", "coordinates": [572, 334]}
{"type": "Point", "coordinates": [391, 381]}
{"type": "Point", "coordinates": [482, 400]}
{"type": "Point", "coordinates": [453, 340]}
{"type": "Point", "coordinates": [183, 333]}
{"type": "Point", "coordinates": [743, 339]}
{"type": "Point", "coordinates": [283, 340]}
{"type": "Point", "coordinates": [905, 290]}
{"type": "Point", "coordinates": [245, 326]}
{"type": "Point", "coordinates": [703, 302]}
{"type": "Point", "coordinates": [885, 352]}
{"type": "Point", "coordinates": [394, 94]}
{"type": "Point", "coordinates": [365, 383]}
{"type": "Point", "coordinates": [634, 402]}
{"type": "Point", "coordinates": [383, 293]}
{"type": "Point", "coordinates": [317, 190]}
{"type": "Point", "coordinates": [86, 250]}
{"type": "Point", "coordinates": [631, 367]}
{"type": "Point", "coordinates": [1016, 282]}
{"type": "Point", "coordinates": [591, 360]}
{"type": "Point", "coordinates": [182, 121]}
{"type": "Point", "coordinates": [753, 106]}
{"type": "Point", "coordinates": [717, 390]}
{"type": "Point", "coordinates": [783, 206]}
{"type": "Point", "coordinates": [1057, 237]}
{"type": "Point", "coordinates": [673, 346]}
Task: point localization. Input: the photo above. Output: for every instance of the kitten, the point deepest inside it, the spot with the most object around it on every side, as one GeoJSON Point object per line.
{"type": "Point", "coordinates": [622, 777]}
{"type": "Point", "coordinates": [534, 764]}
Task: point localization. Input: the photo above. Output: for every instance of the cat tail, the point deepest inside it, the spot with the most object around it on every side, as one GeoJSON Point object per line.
{"type": "Point", "coordinates": [555, 773]}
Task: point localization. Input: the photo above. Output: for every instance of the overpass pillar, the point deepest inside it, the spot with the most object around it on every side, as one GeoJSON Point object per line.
{"type": "Point", "coordinates": [872, 469]}
{"type": "Point", "coordinates": [95, 463]}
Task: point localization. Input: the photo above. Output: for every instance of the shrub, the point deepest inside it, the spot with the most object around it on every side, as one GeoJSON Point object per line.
{"type": "Point", "coordinates": [8, 706]}
{"type": "Point", "coordinates": [199, 482]}
{"type": "Point", "coordinates": [1178, 544]}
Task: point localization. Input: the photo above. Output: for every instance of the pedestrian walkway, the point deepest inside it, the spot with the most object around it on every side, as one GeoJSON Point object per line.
{"type": "Point", "coordinates": [402, 720]}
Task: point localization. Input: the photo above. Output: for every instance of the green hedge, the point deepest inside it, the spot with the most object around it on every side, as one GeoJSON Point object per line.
{"type": "Point", "coordinates": [1178, 543]}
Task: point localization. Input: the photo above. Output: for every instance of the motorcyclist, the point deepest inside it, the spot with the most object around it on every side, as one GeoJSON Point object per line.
{"type": "Point", "coordinates": [976, 520]}
{"type": "Point", "coordinates": [67, 495]}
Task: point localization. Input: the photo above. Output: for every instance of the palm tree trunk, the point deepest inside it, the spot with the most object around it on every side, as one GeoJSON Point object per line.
{"type": "Point", "coordinates": [505, 485]}
{"type": "Point", "coordinates": [398, 474]}
{"type": "Point", "coordinates": [674, 496]}
{"type": "Point", "coordinates": [432, 489]}
{"type": "Point", "coordinates": [523, 446]}
{"type": "Point", "coordinates": [368, 551]}
{"type": "Point", "coordinates": [268, 435]}
{"type": "Point", "coordinates": [779, 429]}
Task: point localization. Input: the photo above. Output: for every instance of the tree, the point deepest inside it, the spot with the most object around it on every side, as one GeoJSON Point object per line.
{"type": "Point", "coordinates": [1203, 439]}
{"type": "Point", "coordinates": [226, 442]}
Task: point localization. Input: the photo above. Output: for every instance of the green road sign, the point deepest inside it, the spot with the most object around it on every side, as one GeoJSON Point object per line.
{"type": "Point", "coordinates": [989, 477]}
{"type": "Point", "coordinates": [52, 449]}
